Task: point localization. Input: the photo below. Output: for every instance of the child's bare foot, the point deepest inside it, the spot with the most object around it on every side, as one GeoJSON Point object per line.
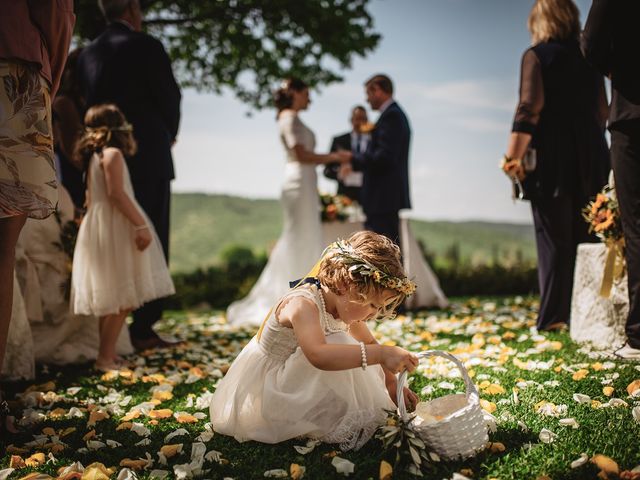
{"type": "Point", "coordinates": [106, 365]}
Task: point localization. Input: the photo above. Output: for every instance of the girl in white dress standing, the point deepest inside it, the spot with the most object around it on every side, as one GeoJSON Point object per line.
{"type": "Point", "coordinates": [118, 262]}
{"type": "Point", "coordinates": [300, 243]}
{"type": "Point", "coordinates": [314, 369]}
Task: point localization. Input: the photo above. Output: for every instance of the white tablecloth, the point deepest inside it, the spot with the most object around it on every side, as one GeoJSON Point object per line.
{"type": "Point", "coordinates": [428, 292]}
{"type": "Point", "coordinates": [594, 319]}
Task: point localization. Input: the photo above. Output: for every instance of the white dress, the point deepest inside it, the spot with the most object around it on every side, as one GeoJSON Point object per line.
{"type": "Point", "coordinates": [109, 273]}
{"type": "Point", "coordinates": [300, 244]}
{"type": "Point", "coordinates": [272, 393]}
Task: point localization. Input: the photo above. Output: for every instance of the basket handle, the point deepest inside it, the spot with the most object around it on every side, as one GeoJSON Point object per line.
{"type": "Point", "coordinates": [471, 391]}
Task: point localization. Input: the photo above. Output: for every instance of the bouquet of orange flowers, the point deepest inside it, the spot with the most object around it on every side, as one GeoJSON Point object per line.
{"type": "Point", "coordinates": [603, 216]}
{"type": "Point", "coordinates": [334, 207]}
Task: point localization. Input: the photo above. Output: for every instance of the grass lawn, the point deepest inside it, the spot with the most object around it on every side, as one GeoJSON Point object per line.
{"type": "Point", "coordinates": [151, 421]}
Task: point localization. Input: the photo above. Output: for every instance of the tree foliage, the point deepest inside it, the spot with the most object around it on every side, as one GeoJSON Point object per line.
{"type": "Point", "coordinates": [248, 46]}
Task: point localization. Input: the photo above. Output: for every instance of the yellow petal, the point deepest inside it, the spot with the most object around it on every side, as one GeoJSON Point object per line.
{"type": "Point", "coordinates": [633, 386]}
{"type": "Point", "coordinates": [580, 374]}
{"type": "Point", "coordinates": [162, 413]}
{"type": "Point", "coordinates": [494, 389]}
{"type": "Point", "coordinates": [386, 471]}
{"type": "Point", "coordinates": [48, 431]}
{"type": "Point", "coordinates": [606, 464]}
{"type": "Point", "coordinates": [296, 471]}
{"type": "Point", "coordinates": [171, 450]}
{"type": "Point", "coordinates": [608, 391]}
{"type": "Point", "coordinates": [58, 413]}
{"type": "Point", "coordinates": [186, 418]}
{"type": "Point", "coordinates": [162, 395]}
{"type": "Point", "coordinates": [67, 431]}
{"type": "Point", "coordinates": [133, 464]}
{"type": "Point", "coordinates": [124, 426]}
{"type": "Point", "coordinates": [89, 435]}
{"type": "Point", "coordinates": [487, 406]}
{"type": "Point", "coordinates": [97, 471]}
{"type": "Point", "coordinates": [96, 416]}
{"type": "Point", "coordinates": [131, 416]}
{"type": "Point", "coordinates": [496, 447]}
{"type": "Point", "coordinates": [35, 460]}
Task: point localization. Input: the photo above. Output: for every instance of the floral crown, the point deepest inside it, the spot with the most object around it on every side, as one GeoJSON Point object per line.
{"type": "Point", "coordinates": [358, 265]}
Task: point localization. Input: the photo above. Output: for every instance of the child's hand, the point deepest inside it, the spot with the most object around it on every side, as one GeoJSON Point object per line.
{"type": "Point", "coordinates": [397, 359]}
{"type": "Point", "coordinates": [410, 399]}
{"type": "Point", "coordinates": [142, 238]}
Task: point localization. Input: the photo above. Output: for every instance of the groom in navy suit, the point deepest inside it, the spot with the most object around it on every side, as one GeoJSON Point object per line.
{"type": "Point", "coordinates": [385, 163]}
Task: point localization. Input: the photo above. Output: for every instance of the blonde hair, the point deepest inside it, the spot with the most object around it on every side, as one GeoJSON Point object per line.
{"type": "Point", "coordinates": [553, 19]}
{"type": "Point", "coordinates": [106, 126]}
{"type": "Point", "coordinates": [375, 249]}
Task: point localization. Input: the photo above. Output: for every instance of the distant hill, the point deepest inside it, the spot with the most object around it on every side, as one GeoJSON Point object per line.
{"type": "Point", "coordinates": [202, 226]}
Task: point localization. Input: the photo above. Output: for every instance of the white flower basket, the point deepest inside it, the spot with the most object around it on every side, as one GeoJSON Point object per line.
{"type": "Point", "coordinates": [455, 427]}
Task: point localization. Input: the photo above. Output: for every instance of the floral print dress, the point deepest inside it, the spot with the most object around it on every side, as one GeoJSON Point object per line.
{"type": "Point", "coordinates": [27, 170]}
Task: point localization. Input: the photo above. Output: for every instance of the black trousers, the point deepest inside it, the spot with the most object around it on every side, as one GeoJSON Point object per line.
{"type": "Point", "coordinates": [625, 158]}
{"type": "Point", "coordinates": [559, 228]}
{"type": "Point", "coordinates": [154, 196]}
{"type": "Point", "coordinates": [387, 224]}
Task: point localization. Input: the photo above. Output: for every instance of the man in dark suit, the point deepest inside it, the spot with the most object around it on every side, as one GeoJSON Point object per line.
{"type": "Point", "coordinates": [385, 163]}
{"type": "Point", "coordinates": [355, 141]}
{"type": "Point", "coordinates": [131, 69]}
{"type": "Point", "coordinates": [611, 42]}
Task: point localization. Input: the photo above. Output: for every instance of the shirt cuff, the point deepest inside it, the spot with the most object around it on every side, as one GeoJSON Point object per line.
{"type": "Point", "coordinates": [523, 127]}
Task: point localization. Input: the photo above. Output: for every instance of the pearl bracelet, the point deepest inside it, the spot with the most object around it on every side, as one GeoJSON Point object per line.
{"type": "Point", "coordinates": [363, 354]}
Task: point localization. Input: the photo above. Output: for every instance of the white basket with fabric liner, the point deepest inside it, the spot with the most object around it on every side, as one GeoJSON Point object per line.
{"type": "Point", "coordinates": [453, 426]}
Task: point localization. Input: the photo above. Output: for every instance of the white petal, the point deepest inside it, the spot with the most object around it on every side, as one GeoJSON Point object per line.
{"type": "Point", "coordinates": [276, 473]}
{"type": "Point", "coordinates": [547, 436]}
{"type": "Point", "coordinates": [584, 458]}
{"type": "Point", "coordinates": [342, 465]}
{"type": "Point", "coordinates": [143, 443]}
{"type": "Point", "coordinates": [175, 433]}
{"type": "Point", "coordinates": [580, 398]}
{"type": "Point", "coordinates": [569, 422]}
{"type": "Point", "coordinates": [636, 413]}
{"type": "Point", "coordinates": [4, 474]}
{"type": "Point", "coordinates": [73, 390]}
{"type": "Point", "coordinates": [159, 474]}
{"type": "Point", "coordinates": [127, 474]}
{"type": "Point", "coordinates": [140, 429]}
{"type": "Point", "coordinates": [95, 445]}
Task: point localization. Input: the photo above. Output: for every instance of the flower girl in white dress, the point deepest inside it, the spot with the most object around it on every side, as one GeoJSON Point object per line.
{"type": "Point", "coordinates": [118, 262]}
{"type": "Point", "coordinates": [314, 369]}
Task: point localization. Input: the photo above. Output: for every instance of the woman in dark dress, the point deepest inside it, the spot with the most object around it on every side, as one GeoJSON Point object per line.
{"type": "Point", "coordinates": [561, 114]}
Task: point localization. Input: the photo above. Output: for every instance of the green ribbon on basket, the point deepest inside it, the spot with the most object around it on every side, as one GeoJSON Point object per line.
{"type": "Point", "coordinates": [614, 266]}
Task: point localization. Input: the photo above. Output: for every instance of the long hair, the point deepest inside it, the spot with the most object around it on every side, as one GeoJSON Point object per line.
{"type": "Point", "coordinates": [105, 126]}
{"type": "Point", "coordinates": [283, 96]}
{"type": "Point", "coordinates": [553, 19]}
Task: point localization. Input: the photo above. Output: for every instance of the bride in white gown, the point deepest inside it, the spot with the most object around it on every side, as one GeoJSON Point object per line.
{"type": "Point", "coordinates": [300, 243]}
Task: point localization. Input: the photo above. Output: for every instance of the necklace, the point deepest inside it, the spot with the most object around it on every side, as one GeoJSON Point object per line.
{"type": "Point", "coordinates": [330, 324]}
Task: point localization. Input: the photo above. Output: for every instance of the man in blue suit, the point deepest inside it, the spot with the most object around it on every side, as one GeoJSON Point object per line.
{"type": "Point", "coordinates": [131, 69]}
{"type": "Point", "coordinates": [385, 163]}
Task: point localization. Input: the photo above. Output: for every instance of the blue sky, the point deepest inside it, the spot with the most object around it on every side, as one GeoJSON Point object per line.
{"type": "Point", "coordinates": [455, 65]}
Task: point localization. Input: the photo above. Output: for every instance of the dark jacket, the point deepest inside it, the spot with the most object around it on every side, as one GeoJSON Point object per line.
{"type": "Point", "coordinates": [385, 164]}
{"type": "Point", "coordinates": [563, 106]}
{"type": "Point", "coordinates": [132, 70]}
{"type": "Point", "coordinates": [611, 42]}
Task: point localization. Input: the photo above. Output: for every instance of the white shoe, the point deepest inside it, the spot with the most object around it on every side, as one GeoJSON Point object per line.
{"type": "Point", "coordinates": [628, 352]}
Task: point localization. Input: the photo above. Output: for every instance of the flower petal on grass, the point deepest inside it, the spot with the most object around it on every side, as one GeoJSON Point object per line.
{"type": "Point", "coordinates": [343, 466]}
{"type": "Point", "coordinates": [569, 422]}
{"type": "Point", "coordinates": [547, 436]}
{"type": "Point", "coordinates": [276, 473]}
{"type": "Point", "coordinates": [581, 398]}
{"type": "Point", "coordinates": [584, 458]}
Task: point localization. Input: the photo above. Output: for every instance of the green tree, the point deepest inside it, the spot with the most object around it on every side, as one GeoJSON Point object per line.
{"type": "Point", "coordinates": [249, 45]}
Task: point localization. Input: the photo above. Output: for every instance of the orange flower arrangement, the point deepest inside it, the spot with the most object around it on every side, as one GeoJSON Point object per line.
{"type": "Point", "coordinates": [603, 216]}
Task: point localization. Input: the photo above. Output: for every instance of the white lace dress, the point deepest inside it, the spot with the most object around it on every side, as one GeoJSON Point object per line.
{"type": "Point", "coordinates": [272, 393]}
{"type": "Point", "coordinates": [300, 244]}
{"type": "Point", "coordinates": [109, 273]}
